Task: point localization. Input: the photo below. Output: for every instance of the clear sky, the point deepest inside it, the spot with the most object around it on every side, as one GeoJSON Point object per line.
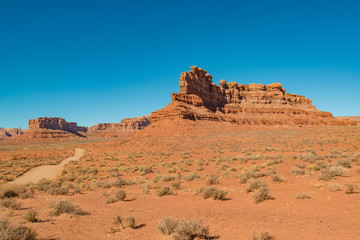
{"type": "Point", "coordinates": [100, 61]}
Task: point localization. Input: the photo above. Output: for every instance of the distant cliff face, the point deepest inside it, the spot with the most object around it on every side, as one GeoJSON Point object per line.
{"type": "Point", "coordinates": [127, 124]}
{"type": "Point", "coordinates": [9, 132]}
{"type": "Point", "coordinates": [54, 123]}
{"type": "Point", "coordinates": [253, 104]}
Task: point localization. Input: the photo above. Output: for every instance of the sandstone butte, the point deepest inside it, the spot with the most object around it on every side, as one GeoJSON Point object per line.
{"type": "Point", "coordinates": [6, 133]}
{"type": "Point", "coordinates": [253, 104]}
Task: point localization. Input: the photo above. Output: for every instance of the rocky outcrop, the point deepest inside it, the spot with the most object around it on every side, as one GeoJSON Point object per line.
{"type": "Point", "coordinates": [253, 104]}
{"type": "Point", "coordinates": [126, 125]}
{"type": "Point", "coordinates": [54, 123]}
{"type": "Point", "coordinates": [6, 133]}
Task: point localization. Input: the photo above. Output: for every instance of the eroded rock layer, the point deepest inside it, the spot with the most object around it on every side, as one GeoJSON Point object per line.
{"type": "Point", "coordinates": [127, 124]}
{"type": "Point", "coordinates": [253, 104]}
{"type": "Point", "coordinates": [54, 123]}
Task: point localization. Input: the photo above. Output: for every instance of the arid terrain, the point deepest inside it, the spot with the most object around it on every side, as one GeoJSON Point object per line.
{"type": "Point", "coordinates": [308, 170]}
{"type": "Point", "coordinates": [219, 162]}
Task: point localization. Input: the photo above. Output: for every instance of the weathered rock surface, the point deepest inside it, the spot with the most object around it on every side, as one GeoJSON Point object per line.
{"type": "Point", "coordinates": [127, 127]}
{"type": "Point", "coordinates": [252, 104]}
{"type": "Point", "coordinates": [55, 123]}
{"type": "Point", "coordinates": [6, 133]}
{"type": "Point", "coordinates": [351, 118]}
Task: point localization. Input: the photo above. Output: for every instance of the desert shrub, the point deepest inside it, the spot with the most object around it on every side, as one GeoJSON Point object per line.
{"type": "Point", "coordinates": [119, 182]}
{"type": "Point", "coordinates": [262, 236]}
{"type": "Point", "coordinates": [211, 180]}
{"type": "Point", "coordinates": [176, 185]}
{"type": "Point", "coordinates": [10, 203]}
{"type": "Point", "coordinates": [214, 193]}
{"type": "Point", "coordinates": [325, 175]}
{"type": "Point", "coordinates": [245, 176]}
{"type": "Point", "coordinates": [163, 190]}
{"type": "Point", "coordinates": [299, 165]}
{"type": "Point", "coordinates": [297, 171]}
{"type": "Point", "coordinates": [51, 187]}
{"type": "Point", "coordinates": [199, 168]}
{"type": "Point", "coordinates": [64, 206]}
{"type": "Point", "coordinates": [31, 215]}
{"type": "Point", "coordinates": [277, 178]}
{"type": "Point", "coordinates": [111, 200]}
{"type": "Point", "coordinates": [9, 191]}
{"type": "Point", "coordinates": [350, 188]}
{"type": "Point", "coordinates": [146, 170]}
{"type": "Point", "coordinates": [333, 187]}
{"type": "Point", "coordinates": [9, 232]}
{"type": "Point", "coordinates": [119, 221]}
{"type": "Point", "coordinates": [167, 225]}
{"type": "Point", "coordinates": [358, 170]}
{"type": "Point", "coordinates": [187, 230]}
{"type": "Point", "coordinates": [261, 195]}
{"type": "Point", "coordinates": [255, 184]}
{"type": "Point", "coordinates": [338, 171]}
{"type": "Point", "coordinates": [191, 176]}
{"type": "Point", "coordinates": [120, 195]}
{"type": "Point", "coordinates": [303, 196]}
{"type": "Point", "coordinates": [345, 162]}
{"type": "Point", "coordinates": [130, 221]}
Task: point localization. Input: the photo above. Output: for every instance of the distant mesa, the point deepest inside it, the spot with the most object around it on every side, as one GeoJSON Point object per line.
{"type": "Point", "coordinates": [55, 123]}
{"type": "Point", "coordinates": [7, 133]}
{"type": "Point", "coordinates": [252, 104]}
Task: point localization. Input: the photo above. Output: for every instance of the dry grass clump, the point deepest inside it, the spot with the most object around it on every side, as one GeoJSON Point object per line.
{"type": "Point", "coordinates": [176, 185]}
{"type": "Point", "coordinates": [130, 221]}
{"type": "Point", "coordinates": [10, 203]}
{"type": "Point", "coordinates": [303, 196]}
{"type": "Point", "coordinates": [167, 225]}
{"type": "Point", "coordinates": [277, 178]}
{"type": "Point", "coordinates": [9, 232]}
{"type": "Point", "coordinates": [191, 176]}
{"type": "Point", "coordinates": [261, 195]}
{"type": "Point", "coordinates": [31, 216]}
{"type": "Point", "coordinates": [163, 190]}
{"type": "Point", "coordinates": [297, 171]}
{"type": "Point", "coordinates": [51, 187]}
{"type": "Point", "coordinates": [345, 162]}
{"type": "Point", "coordinates": [213, 192]}
{"type": "Point", "coordinates": [350, 188]}
{"type": "Point", "coordinates": [245, 176]}
{"type": "Point", "coordinates": [333, 170]}
{"type": "Point", "coordinates": [262, 236]}
{"type": "Point", "coordinates": [119, 196]}
{"type": "Point", "coordinates": [333, 187]}
{"type": "Point", "coordinates": [183, 230]}
{"type": "Point", "coordinates": [255, 184]}
{"type": "Point", "coordinates": [64, 206]}
{"type": "Point", "coordinates": [212, 179]}
{"type": "Point", "coordinates": [21, 191]}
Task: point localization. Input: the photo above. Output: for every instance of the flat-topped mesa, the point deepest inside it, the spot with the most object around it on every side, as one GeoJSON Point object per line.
{"type": "Point", "coordinates": [253, 104]}
{"type": "Point", "coordinates": [54, 123]}
{"type": "Point", "coordinates": [127, 124]}
{"type": "Point", "coordinates": [197, 88]}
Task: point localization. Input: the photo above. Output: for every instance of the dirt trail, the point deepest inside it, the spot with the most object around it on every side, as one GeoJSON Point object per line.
{"type": "Point", "coordinates": [47, 171]}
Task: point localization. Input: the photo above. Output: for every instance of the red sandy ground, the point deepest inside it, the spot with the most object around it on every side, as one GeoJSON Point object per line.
{"type": "Point", "coordinates": [327, 215]}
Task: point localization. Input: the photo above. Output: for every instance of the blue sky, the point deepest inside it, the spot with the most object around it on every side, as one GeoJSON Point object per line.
{"type": "Point", "coordinates": [101, 61]}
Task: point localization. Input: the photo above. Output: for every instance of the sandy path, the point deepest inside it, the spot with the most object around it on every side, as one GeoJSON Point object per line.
{"type": "Point", "coordinates": [47, 171]}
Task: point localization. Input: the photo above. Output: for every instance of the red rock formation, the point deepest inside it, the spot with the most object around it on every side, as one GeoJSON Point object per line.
{"type": "Point", "coordinates": [6, 133]}
{"type": "Point", "coordinates": [55, 124]}
{"type": "Point", "coordinates": [125, 128]}
{"type": "Point", "coordinates": [253, 104]}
